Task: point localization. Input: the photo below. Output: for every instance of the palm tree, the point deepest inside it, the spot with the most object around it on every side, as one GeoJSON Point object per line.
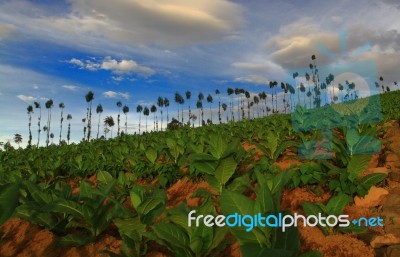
{"type": "Point", "coordinates": [89, 98]}
{"type": "Point", "coordinates": [30, 111]}
{"type": "Point", "coordinates": [153, 109]}
{"type": "Point", "coordinates": [199, 106]}
{"type": "Point", "coordinates": [247, 95]}
{"type": "Point", "coordinates": [99, 111]}
{"type": "Point", "coordinates": [146, 113]}
{"type": "Point", "coordinates": [160, 104]}
{"type": "Point", "coordinates": [84, 129]}
{"type": "Point", "coordinates": [37, 106]}
{"type": "Point", "coordinates": [125, 110]}
{"type": "Point", "coordinates": [49, 105]}
{"type": "Point", "coordinates": [340, 87]}
{"type": "Point", "coordinates": [295, 75]}
{"type": "Point", "coordinates": [210, 100]}
{"type": "Point", "coordinates": [188, 94]}
{"type": "Point", "coordinates": [69, 117]}
{"type": "Point", "coordinates": [271, 86]}
{"type": "Point", "coordinates": [62, 106]}
{"type": "Point", "coordinates": [109, 124]}
{"type": "Point", "coordinates": [200, 98]}
{"type": "Point", "coordinates": [139, 109]}
{"type": "Point", "coordinates": [166, 104]}
{"type": "Point", "coordinates": [178, 100]}
{"type": "Point", "coordinates": [18, 139]}
{"type": "Point", "coordinates": [309, 94]}
{"type": "Point", "coordinates": [256, 100]}
{"type": "Point", "coordinates": [237, 92]}
{"type": "Point", "coordinates": [303, 90]}
{"type": "Point", "coordinates": [52, 137]}
{"type": "Point", "coordinates": [119, 105]}
{"type": "Point", "coordinates": [218, 93]}
{"type": "Point", "coordinates": [230, 91]}
{"type": "Point", "coordinates": [382, 86]}
{"type": "Point", "coordinates": [224, 107]}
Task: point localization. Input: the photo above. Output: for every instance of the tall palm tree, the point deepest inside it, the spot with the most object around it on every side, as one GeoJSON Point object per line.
{"type": "Point", "coordinates": [309, 94]}
{"type": "Point", "coordinates": [188, 94]}
{"type": "Point", "coordinates": [178, 100]}
{"type": "Point", "coordinates": [256, 101]}
{"type": "Point", "coordinates": [224, 107]}
{"type": "Point", "coordinates": [37, 106]}
{"type": "Point", "coordinates": [160, 104]}
{"type": "Point", "coordinates": [99, 111]}
{"type": "Point", "coordinates": [382, 86]}
{"type": "Point", "coordinates": [218, 93]}
{"type": "Point", "coordinates": [69, 117]}
{"type": "Point", "coordinates": [303, 90]}
{"type": "Point", "coordinates": [109, 124]}
{"type": "Point", "coordinates": [61, 106]}
{"type": "Point", "coordinates": [237, 92]}
{"type": "Point", "coordinates": [285, 91]}
{"type": "Point", "coordinates": [125, 110]}
{"type": "Point", "coordinates": [210, 100]}
{"type": "Point", "coordinates": [119, 105]}
{"type": "Point", "coordinates": [200, 98]}
{"type": "Point", "coordinates": [89, 99]}
{"type": "Point", "coordinates": [49, 105]}
{"type": "Point", "coordinates": [271, 86]}
{"type": "Point", "coordinates": [166, 104]}
{"type": "Point", "coordinates": [146, 113]}
{"type": "Point", "coordinates": [247, 95]}
{"type": "Point", "coordinates": [153, 110]}
{"type": "Point", "coordinates": [295, 75]}
{"type": "Point", "coordinates": [84, 129]}
{"type": "Point", "coordinates": [30, 111]}
{"type": "Point", "coordinates": [230, 92]}
{"type": "Point", "coordinates": [199, 106]}
{"type": "Point", "coordinates": [139, 110]}
{"type": "Point", "coordinates": [340, 87]}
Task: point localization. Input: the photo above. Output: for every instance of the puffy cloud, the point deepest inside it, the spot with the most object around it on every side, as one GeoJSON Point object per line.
{"type": "Point", "coordinates": [113, 94]}
{"type": "Point", "coordinates": [101, 25]}
{"type": "Point", "coordinates": [27, 99]}
{"type": "Point", "coordinates": [296, 42]}
{"type": "Point", "coordinates": [114, 66]}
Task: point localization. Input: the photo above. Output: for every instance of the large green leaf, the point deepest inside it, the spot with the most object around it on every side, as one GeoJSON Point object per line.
{"type": "Point", "coordinates": [9, 196]}
{"type": "Point", "coordinates": [104, 177]}
{"type": "Point", "coordinates": [75, 240]}
{"type": "Point", "coordinates": [226, 168]}
{"type": "Point", "coordinates": [372, 179]}
{"type": "Point", "coordinates": [357, 164]}
{"type": "Point", "coordinates": [171, 233]}
{"type": "Point", "coordinates": [337, 204]}
{"type": "Point", "coordinates": [151, 154]}
{"type": "Point", "coordinates": [132, 228]}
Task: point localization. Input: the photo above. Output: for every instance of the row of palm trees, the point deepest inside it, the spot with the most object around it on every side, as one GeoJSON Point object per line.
{"type": "Point", "coordinates": [248, 105]}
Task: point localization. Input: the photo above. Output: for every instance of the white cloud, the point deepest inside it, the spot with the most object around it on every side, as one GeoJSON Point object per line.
{"type": "Point", "coordinates": [70, 87]}
{"type": "Point", "coordinates": [113, 94]}
{"type": "Point", "coordinates": [5, 31]}
{"type": "Point", "coordinates": [125, 67]}
{"type": "Point", "coordinates": [122, 67]}
{"type": "Point", "coordinates": [27, 99]}
{"type": "Point", "coordinates": [252, 79]}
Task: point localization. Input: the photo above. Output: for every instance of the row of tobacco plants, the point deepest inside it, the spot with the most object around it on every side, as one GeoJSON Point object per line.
{"type": "Point", "coordinates": [50, 186]}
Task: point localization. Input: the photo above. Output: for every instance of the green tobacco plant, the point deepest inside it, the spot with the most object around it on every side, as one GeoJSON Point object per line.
{"type": "Point", "coordinates": [335, 207]}
{"type": "Point", "coordinates": [77, 219]}
{"type": "Point", "coordinates": [272, 144]}
{"type": "Point", "coordinates": [263, 241]}
{"type": "Point", "coordinates": [221, 164]}
{"type": "Point", "coordinates": [347, 180]}
{"type": "Point", "coordinates": [194, 241]}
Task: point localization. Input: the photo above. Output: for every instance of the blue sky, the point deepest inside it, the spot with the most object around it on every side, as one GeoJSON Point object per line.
{"type": "Point", "coordinates": [136, 50]}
